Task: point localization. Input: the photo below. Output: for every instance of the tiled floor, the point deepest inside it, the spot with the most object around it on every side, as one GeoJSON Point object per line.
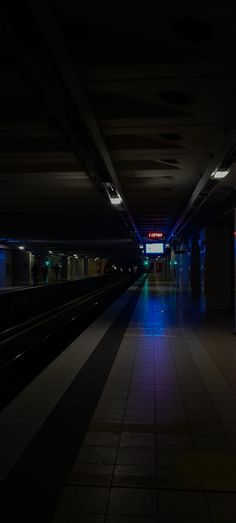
{"type": "Point", "coordinates": [161, 443]}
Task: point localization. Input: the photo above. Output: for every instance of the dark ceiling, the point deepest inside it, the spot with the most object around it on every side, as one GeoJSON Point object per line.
{"type": "Point", "coordinates": [136, 95]}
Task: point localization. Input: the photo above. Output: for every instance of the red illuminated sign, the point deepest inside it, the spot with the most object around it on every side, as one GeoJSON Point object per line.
{"type": "Point", "coordinates": [155, 235]}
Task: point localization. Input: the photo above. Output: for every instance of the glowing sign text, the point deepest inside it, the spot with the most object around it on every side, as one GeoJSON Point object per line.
{"type": "Point", "coordinates": [154, 235]}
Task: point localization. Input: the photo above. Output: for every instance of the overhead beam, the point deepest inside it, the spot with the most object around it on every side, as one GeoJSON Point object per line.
{"type": "Point", "coordinates": [217, 160]}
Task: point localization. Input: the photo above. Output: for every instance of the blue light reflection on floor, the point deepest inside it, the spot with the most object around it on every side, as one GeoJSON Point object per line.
{"type": "Point", "coordinates": [164, 306]}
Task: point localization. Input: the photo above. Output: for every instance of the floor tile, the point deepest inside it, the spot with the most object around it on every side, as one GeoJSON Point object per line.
{"type": "Point", "coordinates": [174, 441]}
{"type": "Point", "coordinates": [129, 519]}
{"type": "Point", "coordinates": [141, 440]}
{"type": "Point", "coordinates": [139, 416]}
{"type": "Point", "coordinates": [91, 474]}
{"type": "Point", "coordinates": [209, 442]}
{"type": "Point", "coordinates": [214, 429]}
{"type": "Point", "coordinates": [218, 471]}
{"type": "Point", "coordinates": [136, 456]}
{"type": "Point", "coordinates": [79, 518]}
{"type": "Point", "coordinates": [178, 504]}
{"type": "Point", "coordinates": [176, 478]}
{"type": "Point", "coordinates": [176, 457]}
{"type": "Point", "coordinates": [141, 395]}
{"type": "Point", "coordinates": [131, 501]}
{"type": "Point", "coordinates": [91, 500]}
{"type": "Point", "coordinates": [184, 520]}
{"type": "Point", "coordinates": [222, 506]}
{"type": "Point", "coordinates": [105, 439]}
{"type": "Point", "coordinates": [169, 415]}
{"type": "Point", "coordinates": [135, 476]}
{"type": "Point", "coordinates": [105, 455]}
{"type": "Point", "coordinates": [140, 404]}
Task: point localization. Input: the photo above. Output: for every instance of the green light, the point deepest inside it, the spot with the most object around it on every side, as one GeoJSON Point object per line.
{"type": "Point", "coordinates": [145, 262]}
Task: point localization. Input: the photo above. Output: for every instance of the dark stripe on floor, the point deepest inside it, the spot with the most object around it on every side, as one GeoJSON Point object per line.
{"type": "Point", "coordinates": [34, 487]}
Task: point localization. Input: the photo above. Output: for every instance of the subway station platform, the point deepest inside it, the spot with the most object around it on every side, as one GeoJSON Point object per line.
{"type": "Point", "coordinates": [135, 422]}
{"type": "Point", "coordinates": [13, 288]}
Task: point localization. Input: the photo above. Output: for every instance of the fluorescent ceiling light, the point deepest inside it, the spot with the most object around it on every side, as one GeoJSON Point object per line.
{"type": "Point", "coordinates": [218, 175]}
{"type": "Point", "coordinates": [115, 200]}
{"type": "Point", "coordinates": [112, 194]}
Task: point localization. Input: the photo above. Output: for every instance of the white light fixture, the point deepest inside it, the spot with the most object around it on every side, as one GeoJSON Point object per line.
{"type": "Point", "coordinates": [21, 247]}
{"type": "Point", "coordinates": [219, 174]}
{"type": "Point", "coordinates": [112, 194]}
{"type": "Point", "coordinates": [50, 252]}
{"type": "Point", "coordinates": [141, 246]}
{"type": "Point", "coordinates": [115, 200]}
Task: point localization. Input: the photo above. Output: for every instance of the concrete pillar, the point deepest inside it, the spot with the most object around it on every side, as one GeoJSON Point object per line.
{"type": "Point", "coordinates": [202, 250]}
{"type": "Point", "coordinates": [76, 268]}
{"type": "Point", "coordinates": [86, 266]}
{"type": "Point", "coordinates": [73, 267]}
{"type": "Point", "coordinates": [195, 273]}
{"type": "Point", "coordinates": [184, 264]}
{"type": "Point", "coordinates": [234, 268]}
{"type": "Point", "coordinates": [5, 267]}
{"type": "Point", "coordinates": [159, 268]}
{"type": "Point", "coordinates": [92, 267]}
{"type": "Point", "coordinates": [218, 276]}
{"type": "Point", "coordinates": [167, 268]}
{"type": "Point", "coordinates": [70, 268]}
{"type": "Point", "coordinates": [173, 267]}
{"type": "Point", "coordinates": [98, 266]}
{"type": "Point", "coordinates": [154, 267]}
{"type": "Point", "coordinates": [21, 263]}
{"type": "Point", "coordinates": [103, 264]}
{"type": "Point", "coordinates": [64, 267]}
{"type": "Point", "coordinates": [81, 268]}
